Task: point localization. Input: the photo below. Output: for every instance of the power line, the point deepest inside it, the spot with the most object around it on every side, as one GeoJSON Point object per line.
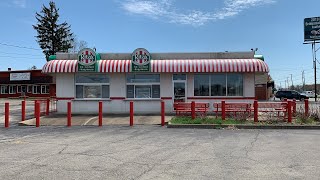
{"type": "Point", "coordinates": [16, 46]}
{"type": "Point", "coordinates": [1, 52]}
{"type": "Point", "coordinates": [21, 57]}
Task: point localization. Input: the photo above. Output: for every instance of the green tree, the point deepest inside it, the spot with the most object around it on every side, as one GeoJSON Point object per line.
{"type": "Point", "coordinates": [52, 36]}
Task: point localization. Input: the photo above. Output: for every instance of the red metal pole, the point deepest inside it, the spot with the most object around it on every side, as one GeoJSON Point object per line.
{"type": "Point", "coordinates": [131, 113]}
{"type": "Point", "coordinates": [162, 113]}
{"type": "Point", "coordinates": [289, 111]}
{"type": "Point", "coordinates": [255, 107]}
{"type": "Point", "coordinates": [23, 110]}
{"type": "Point", "coordinates": [37, 114]}
{"type": "Point", "coordinates": [306, 107]}
{"type": "Point", "coordinates": [48, 107]}
{"type": "Point", "coordinates": [69, 114]}
{"type": "Point", "coordinates": [6, 114]}
{"type": "Point", "coordinates": [100, 113]}
{"type": "Point", "coordinates": [223, 109]}
{"type": "Point", "coordinates": [193, 110]}
{"type": "Point", "coordinates": [35, 102]}
{"type": "Point", "coordinates": [294, 107]}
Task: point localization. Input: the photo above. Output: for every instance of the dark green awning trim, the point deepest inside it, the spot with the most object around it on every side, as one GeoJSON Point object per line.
{"type": "Point", "coordinates": [259, 57]}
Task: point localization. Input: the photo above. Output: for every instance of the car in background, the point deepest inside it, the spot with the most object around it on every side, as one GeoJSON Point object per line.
{"type": "Point", "coordinates": [290, 94]}
{"type": "Point", "coordinates": [310, 94]}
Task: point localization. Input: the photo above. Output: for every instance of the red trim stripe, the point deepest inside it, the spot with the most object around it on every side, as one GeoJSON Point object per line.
{"type": "Point", "coordinates": [222, 98]}
{"type": "Point", "coordinates": [117, 98]}
{"type": "Point", "coordinates": [166, 98]}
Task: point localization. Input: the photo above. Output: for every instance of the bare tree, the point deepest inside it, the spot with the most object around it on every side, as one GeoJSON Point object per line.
{"type": "Point", "coordinates": [78, 45]}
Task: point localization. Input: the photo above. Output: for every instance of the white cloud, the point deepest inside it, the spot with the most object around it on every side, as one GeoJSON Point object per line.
{"type": "Point", "coordinates": [14, 3]}
{"type": "Point", "coordinates": [20, 3]}
{"type": "Point", "coordinates": [234, 7]}
{"type": "Point", "coordinates": [164, 9]}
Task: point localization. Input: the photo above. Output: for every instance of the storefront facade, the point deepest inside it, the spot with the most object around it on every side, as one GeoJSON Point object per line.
{"type": "Point", "coordinates": [147, 79]}
{"type": "Point", "coordinates": [26, 83]}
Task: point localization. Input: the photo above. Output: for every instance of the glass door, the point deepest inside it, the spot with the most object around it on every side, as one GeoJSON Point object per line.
{"type": "Point", "coordinates": [179, 91]}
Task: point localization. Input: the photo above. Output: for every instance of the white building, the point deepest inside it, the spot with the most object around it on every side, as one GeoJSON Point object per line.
{"type": "Point", "coordinates": [118, 78]}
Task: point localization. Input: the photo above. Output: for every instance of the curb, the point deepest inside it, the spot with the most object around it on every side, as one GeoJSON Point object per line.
{"type": "Point", "coordinates": [218, 126]}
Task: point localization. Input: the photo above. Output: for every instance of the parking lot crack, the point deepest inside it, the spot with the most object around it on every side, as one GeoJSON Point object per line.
{"type": "Point", "coordinates": [64, 148]}
{"type": "Point", "coordinates": [252, 143]}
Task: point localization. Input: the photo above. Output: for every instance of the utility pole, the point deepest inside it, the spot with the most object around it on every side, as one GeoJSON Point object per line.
{"type": "Point", "coordinates": [291, 81]}
{"type": "Point", "coordinates": [303, 80]}
{"type": "Point", "coordinates": [288, 82]}
{"type": "Point", "coordinates": [315, 68]}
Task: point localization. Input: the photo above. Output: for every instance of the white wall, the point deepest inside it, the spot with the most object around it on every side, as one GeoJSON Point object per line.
{"type": "Point", "coordinates": [65, 85]}
{"type": "Point", "coordinates": [65, 89]}
{"type": "Point", "coordinates": [117, 84]}
{"type": "Point", "coordinates": [248, 85]}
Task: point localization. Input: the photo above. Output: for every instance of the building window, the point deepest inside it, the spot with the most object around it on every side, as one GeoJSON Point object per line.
{"type": "Point", "coordinates": [143, 86]}
{"type": "Point", "coordinates": [179, 77]}
{"type": "Point", "coordinates": [23, 89]}
{"type": "Point", "coordinates": [44, 89]}
{"type": "Point", "coordinates": [12, 89]}
{"type": "Point", "coordinates": [235, 85]}
{"type": "Point", "coordinates": [4, 89]}
{"type": "Point", "coordinates": [29, 89]}
{"type": "Point", "coordinates": [36, 89]}
{"type": "Point", "coordinates": [92, 86]}
{"type": "Point", "coordinates": [18, 89]}
{"type": "Point", "coordinates": [218, 85]}
{"type": "Point", "coordinates": [201, 85]}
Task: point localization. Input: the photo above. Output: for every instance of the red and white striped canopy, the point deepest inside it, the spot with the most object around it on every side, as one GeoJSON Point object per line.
{"type": "Point", "coordinates": [158, 66]}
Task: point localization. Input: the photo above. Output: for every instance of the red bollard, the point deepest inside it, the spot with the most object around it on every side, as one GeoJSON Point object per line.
{"type": "Point", "coordinates": [294, 107]}
{"type": "Point", "coordinates": [37, 114]}
{"type": "Point", "coordinates": [223, 109]}
{"type": "Point", "coordinates": [6, 114]}
{"type": "Point", "coordinates": [23, 110]}
{"type": "Point", "coordinates": [35, 102]}
{"type": "Point", "coordinates": [306, 107]}
{"type": "Point", "coordinates": [162, 113]}
{"type": "Point", "coordinates": [100, 113]}
{"type": "Point", "coordinates": [48, 107]}
{"type": "Point", "coordinates": [131, 113]}
{"type": "Point", "coordinates": [255, 107]}
{"type": "Point", "coordinates": [289, 111]}
{"type": "Point", "coordinates": [69, 114]}
{"type": "Point", "coordinates": [193, 110]}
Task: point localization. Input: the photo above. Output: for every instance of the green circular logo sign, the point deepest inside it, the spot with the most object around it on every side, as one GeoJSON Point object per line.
{"type": "Point", "coordinates": [87, 57]}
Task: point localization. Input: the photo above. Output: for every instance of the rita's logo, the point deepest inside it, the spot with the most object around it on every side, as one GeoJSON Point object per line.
{"type": "Point", "coordinates": [140, 57]}
{"type": "Point", "coordinates": [87, 57]}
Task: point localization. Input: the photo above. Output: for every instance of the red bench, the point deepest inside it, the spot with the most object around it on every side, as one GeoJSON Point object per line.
{"type": "Point", "coordinates": [278, 107]}
{"type": "Point", "coordinates": [182, 108]}
{"type": "Point", "coordinates": [232, 108]}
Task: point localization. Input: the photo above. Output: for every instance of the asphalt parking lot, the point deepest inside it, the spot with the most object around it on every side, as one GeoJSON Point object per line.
{"type": "Point", "coordinates": [154, 152]}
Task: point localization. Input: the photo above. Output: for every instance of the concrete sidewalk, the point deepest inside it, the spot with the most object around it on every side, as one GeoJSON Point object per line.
{"type": "Point", "coordinates": [84, 120]}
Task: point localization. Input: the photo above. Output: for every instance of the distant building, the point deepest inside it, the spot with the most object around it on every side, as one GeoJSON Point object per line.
{"type": "Point", "coordinates": [26, 83]}
{"type": "Point", "coordinates": [263, 83]}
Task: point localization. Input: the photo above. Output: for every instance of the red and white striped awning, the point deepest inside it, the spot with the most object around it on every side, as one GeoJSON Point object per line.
{"type": "Point", "coordinates": [158, 66]}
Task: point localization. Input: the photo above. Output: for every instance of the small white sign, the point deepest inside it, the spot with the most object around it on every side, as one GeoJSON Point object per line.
{"type": "Point", "coordinates": [19, 76]}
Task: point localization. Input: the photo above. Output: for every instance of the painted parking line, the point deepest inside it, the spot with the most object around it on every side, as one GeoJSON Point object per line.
{"type": "Point", "coordinates": [90, 119]}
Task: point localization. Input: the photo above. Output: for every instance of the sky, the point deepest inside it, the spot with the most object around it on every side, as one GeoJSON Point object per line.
{"type": "Point", "coordinates": [275, 27]}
